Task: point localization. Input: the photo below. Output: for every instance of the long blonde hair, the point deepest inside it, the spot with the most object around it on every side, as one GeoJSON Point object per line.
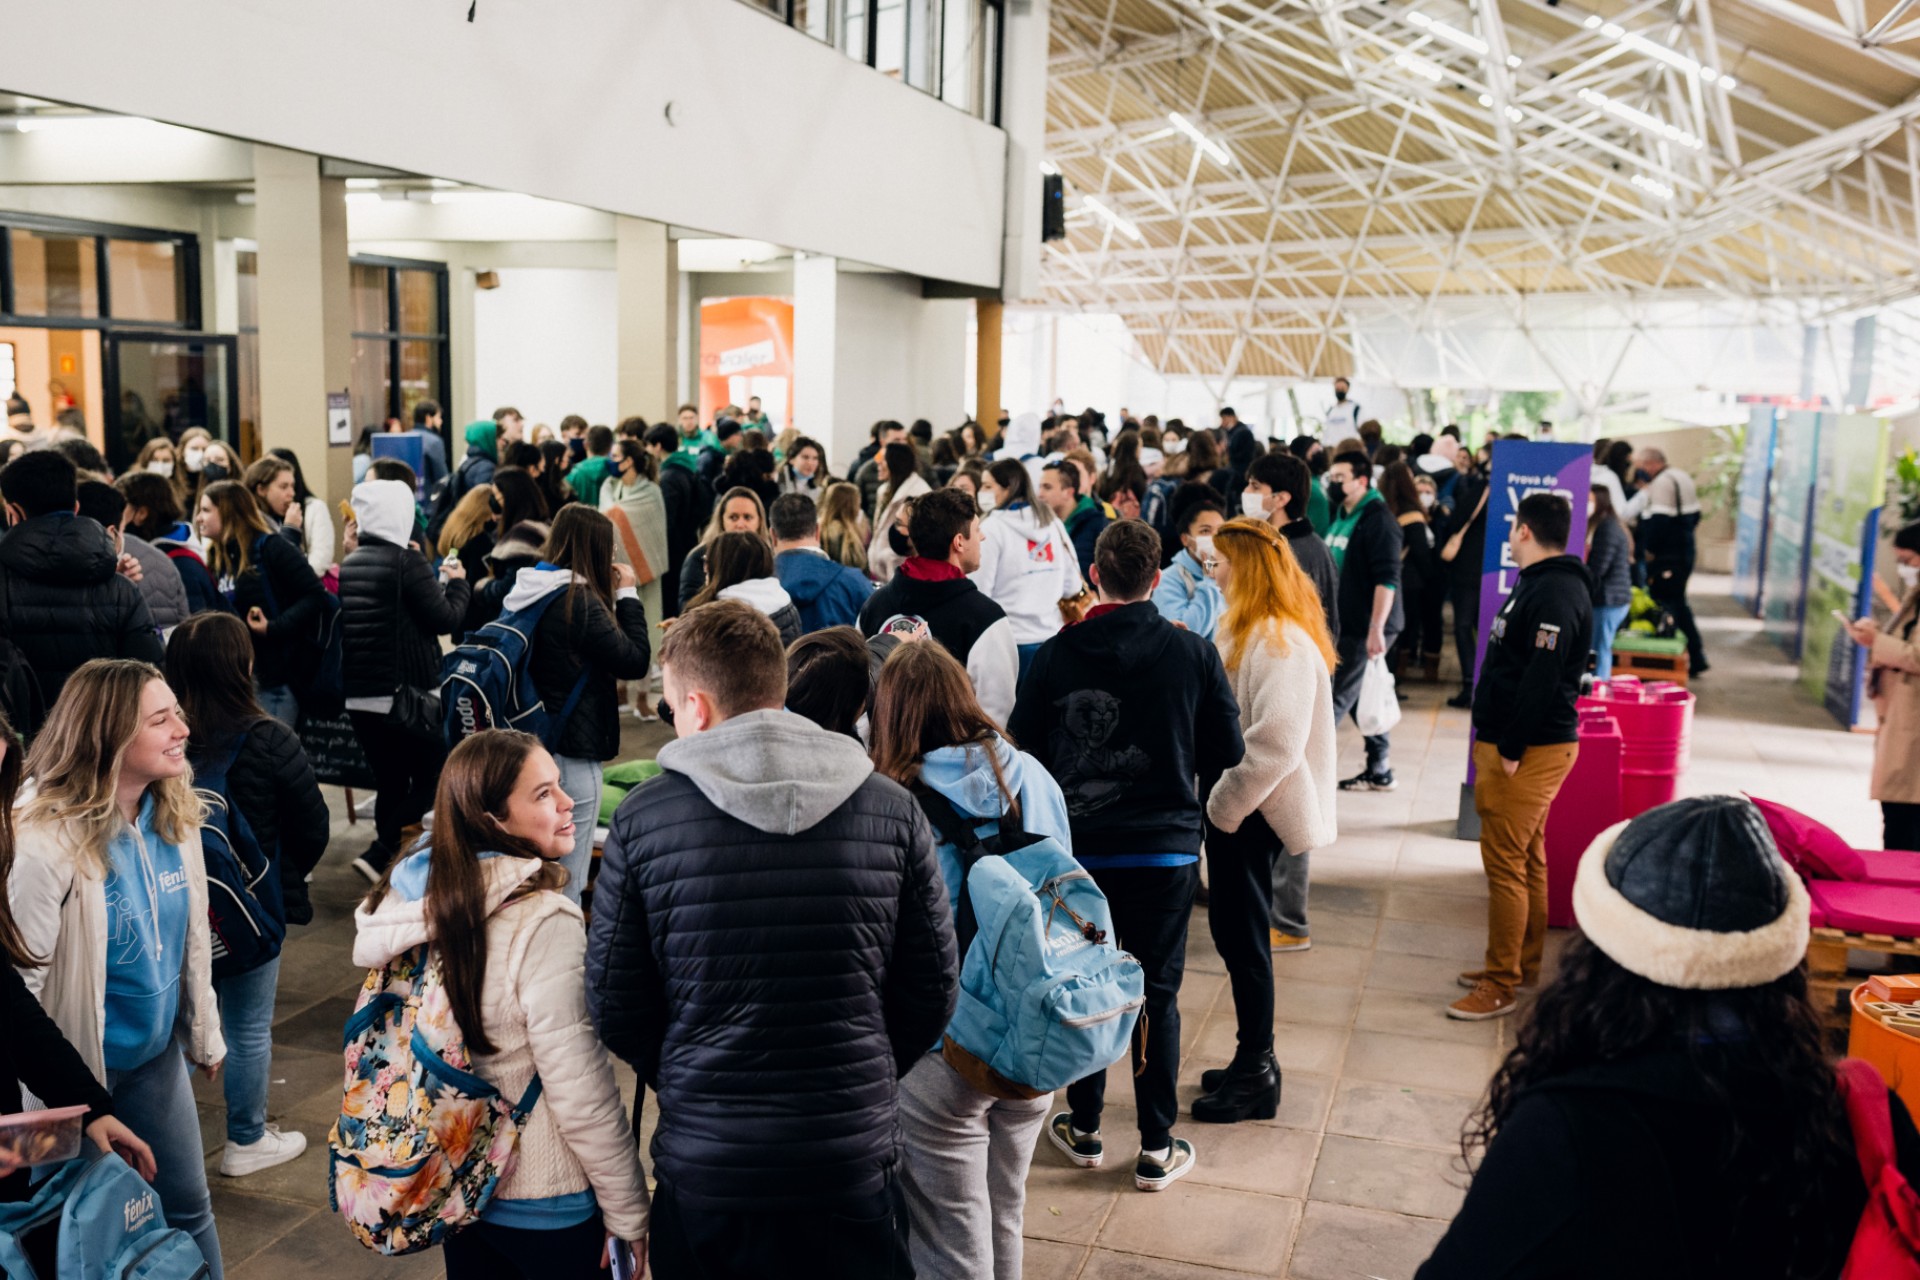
{"type": "Point", "coordinates": [74, 763]}
{"type": "Point", "coordinates": [1266, 590]}
{"type": "Point", "coordinates": [469, 516]}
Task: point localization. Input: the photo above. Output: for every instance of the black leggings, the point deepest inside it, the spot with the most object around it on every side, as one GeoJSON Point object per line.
{"type": "Point", "coordinates": [488, 1251]}
{"type": "Point", "coordinates": [1239, 915]}
{"type": "Point", "coordinates": [406, 769]}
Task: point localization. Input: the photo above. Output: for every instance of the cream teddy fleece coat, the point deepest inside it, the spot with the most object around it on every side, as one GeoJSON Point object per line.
{"type": "Point", "coordinates": [1286, 716]}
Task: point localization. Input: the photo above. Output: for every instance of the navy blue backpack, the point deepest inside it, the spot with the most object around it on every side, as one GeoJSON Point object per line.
{"type": "Point", "coordinates": [485, 683]}
{"type": "Point", "coordinates": [315, 659]}
{"type": "Point", "coordinates": [243, 881]}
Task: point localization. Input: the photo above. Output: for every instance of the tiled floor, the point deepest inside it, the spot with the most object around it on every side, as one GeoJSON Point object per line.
{"type": "Point", "coordinates": [1357, 1175]}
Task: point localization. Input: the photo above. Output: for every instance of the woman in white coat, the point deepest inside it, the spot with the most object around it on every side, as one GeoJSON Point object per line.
{"type": "Point", "coordinates": [901, 483]}
{"type": "Point", "coordinates": [1027, 562]}
{"type": "Point", "coordinates": [1266, 812]}
{"type": "Point", "coordinates": [513, 949]}
{"type": "Point", "coordinates": [108, 849]}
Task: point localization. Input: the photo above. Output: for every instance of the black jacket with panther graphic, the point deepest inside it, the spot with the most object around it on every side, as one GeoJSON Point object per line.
{"type": "Point", "coordinates": [1125, 709]}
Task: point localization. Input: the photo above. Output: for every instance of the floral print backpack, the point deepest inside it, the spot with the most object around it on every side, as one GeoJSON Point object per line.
{"type": "Point", "coordinates": [421, 1142]}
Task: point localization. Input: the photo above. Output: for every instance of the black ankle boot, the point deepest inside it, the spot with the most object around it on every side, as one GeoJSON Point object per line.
{"type": "Point", "coordinates": [1243, 1092]}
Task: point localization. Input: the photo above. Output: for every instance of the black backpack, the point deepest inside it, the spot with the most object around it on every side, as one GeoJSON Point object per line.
{"type": "Point", "coordinates": [20, 695]}
{"type": "Point", "coordinates": [445, 497]}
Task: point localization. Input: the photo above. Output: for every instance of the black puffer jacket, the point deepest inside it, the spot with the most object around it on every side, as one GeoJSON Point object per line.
{"type": "Point", "coordinates": [282, 585]}
{"type": "Point", "coordinates": [63, 603]}
{"type": "Point", "coordinates": [572, 634]}
{"type": "Point", "coordinates": [771, 949]}
{"type": "Point", "coordinates": [392, 612]}
{"type": "Point", "coordinates": [272, 785]}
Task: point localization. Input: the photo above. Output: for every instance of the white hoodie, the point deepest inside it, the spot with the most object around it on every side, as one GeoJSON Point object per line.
{"type": "Point", "coordinates": [1027, 570]}
{"type": "Point", "coordinates": [764, 594]}
{"type": "Point", "coordinates": [384, 508]}
{"type": "Point", "coordinates": [535, 1004]}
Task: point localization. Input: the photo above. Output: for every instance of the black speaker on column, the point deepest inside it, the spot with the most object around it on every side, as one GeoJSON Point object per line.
{"type": "Point", "coordinates": [1053, 207]}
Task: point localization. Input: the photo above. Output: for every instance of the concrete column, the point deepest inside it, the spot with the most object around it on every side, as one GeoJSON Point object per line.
{"type": "Point", "coordinates": [988, 319]}
{"type": "Point", "coordinates": [463, 344]}
{"type": "Point", "coordinates": [816, 323]}
{"type": "Point", "coordinates": [1023, 118]}
{"type": "Point", "coordinates": [306, 345]}
{"type": "Point", "coordinates": [649, 320]}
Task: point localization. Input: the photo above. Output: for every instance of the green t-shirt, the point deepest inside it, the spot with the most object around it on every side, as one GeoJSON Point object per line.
{"type": "Point", "coordinates": [1343, 523]}
{"type": "Point", "coordinates": [585, 480]}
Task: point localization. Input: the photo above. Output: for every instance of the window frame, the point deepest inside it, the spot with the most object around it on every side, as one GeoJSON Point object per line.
{"type": "Point", "coordinates": [186, 257]}
{"type": "Point", "coordinates": [393, 336]}
{"type": "Point", "coordinates": [989, 112]}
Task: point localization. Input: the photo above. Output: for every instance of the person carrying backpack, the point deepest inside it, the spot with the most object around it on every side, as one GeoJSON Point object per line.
{"type": "Point", "coordinates": [33, 1052]}
{"type": "Point", "coordinates": [153, 514]}
{"type": "Point", "coordinates": [270, 585]}
{"type": "Point", "coordinates": [109, 850]}
{"type": "Point", "coordinates": [393, 610]}
{"type": "Point", "coordinates": [1674, 1076]}
{"type": "Point", "coordinates": [256, 767]}
{"type": "Point", "coordinates": [967, 1151]}
{"type": "Point", "coordinates": [508, 950]}
{"type": "Point", "coordinates": [593, 636]}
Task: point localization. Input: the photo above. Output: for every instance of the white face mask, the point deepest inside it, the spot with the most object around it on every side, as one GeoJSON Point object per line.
{"type": "Point", "coordinates": [159, 468]}
{"type": "Point", "coordinates": [1909, 574]}
{"type": "Point", "coordinates": [196, 459]}
{"type": "Point", "coordinates": [987, 500]}
{"type": "Point", "coordinates": [1174, 445]}
{"type": "Point", "coordinates": [1253, 504]}
{"type": "Point", "coordinates": [1426, 502]}
{"type": "Point", "coordinates": [1203, 548]}
{"type": "Point", "coordinates": [1591, 508]}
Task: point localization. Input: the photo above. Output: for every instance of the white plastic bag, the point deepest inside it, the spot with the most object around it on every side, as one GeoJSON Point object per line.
{"type": "Point", "coordinates": [1378, 709]}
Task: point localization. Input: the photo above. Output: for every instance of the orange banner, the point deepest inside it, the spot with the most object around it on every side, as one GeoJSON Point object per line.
{"type": "Point", "coordinates": [746, 349]}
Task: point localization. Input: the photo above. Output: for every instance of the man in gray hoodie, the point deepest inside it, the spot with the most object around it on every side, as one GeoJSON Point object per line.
{"type": "Point", "coordinates": [771, 950]}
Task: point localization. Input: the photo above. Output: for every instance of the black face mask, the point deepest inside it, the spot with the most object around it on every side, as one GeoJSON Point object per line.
{"type": "Point", "coordinates": [1005, 421]}
{"type": "Point", "coordinates": [1336, 492]}
{"type": "Point", "coordinates": [901, 544]}
{"type": "Point", "coordinates": [213, 473]}
{"type": "Point", "coordinates": [1338, 394]}
{"type": "Point", "coordinates": [576, 448]}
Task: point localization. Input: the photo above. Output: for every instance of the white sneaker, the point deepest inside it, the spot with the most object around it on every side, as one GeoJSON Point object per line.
{"type": "Point", "coordinates": [274, 1147]}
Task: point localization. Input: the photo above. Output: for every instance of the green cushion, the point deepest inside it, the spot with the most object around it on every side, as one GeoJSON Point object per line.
{"type": "Point", "coordinates": [1636, 642]}
{"type": "Point", "coordinates": [631, 773]}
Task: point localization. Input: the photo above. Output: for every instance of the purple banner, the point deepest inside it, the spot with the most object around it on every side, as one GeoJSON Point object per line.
{"type": "Point", "coordinates": [1521, 467]}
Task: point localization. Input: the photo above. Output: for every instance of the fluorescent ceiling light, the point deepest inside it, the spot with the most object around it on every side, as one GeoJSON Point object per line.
{"type": "Point", "coordinates": [1123, 225]}
{"type": "Point", "coordinates": [363, 184]}
{"type": "Point", "coordinates": [41, 123]}
{"type": "Point", "coordinates": [1219, 154]}
{"type": "Point", "coordinates": [363, 197]}
{"type": "Point", "coordinates": [1420, 67]}
{"type": "Point", "coordinates": [1652, 186]}
{"type": "Point", "coordinates": [1659, 52]}
{"type": "Point", "coordinates": [1635, 116]}
{"type": "Point", "coordinates": [1049, 168]}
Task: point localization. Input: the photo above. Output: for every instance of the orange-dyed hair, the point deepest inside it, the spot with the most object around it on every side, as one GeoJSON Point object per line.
{"type": "Point", "coordinates": [1267, 587]}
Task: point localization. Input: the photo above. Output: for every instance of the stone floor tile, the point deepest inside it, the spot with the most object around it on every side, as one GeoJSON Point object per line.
{"type": "Point", "coordinates": [1069, 1204]}
{"type": "Point", "coordinates": [1210, 1226]}
{"type": "Point", "coordinates": [1444, 941]}
{"type": "Point", "coordinates": [1384, 1175]}
{"type": "Point", "coordinates": [1435, 977]}
{"type": "Point", "coordinates": [1051, 1260]}
{"type": "Point", "coordinates": [1331, 892]}
{"type": "Point", "coordinates": [1409, 1014]}
{"type": "Point", "coordinates": [1340, 1242]}
{"type": "Point", "coordinates": [1396, 1113]}
{"type": "Point", "coordinates": [1314, 1002]}
{"type": "Point", "coordinates": [1104, 1264]}
{"type": "Point", "coordinates": [1454, 909]}
{"type": "Point", "coordinates": [1341, 928]}
{"type": "Point", "coordinates": [1253, 1157]}
{"type": "Point", "coordinates": [1420, 1064]}
{"type": "Point", "coordinates": [1330, 963]}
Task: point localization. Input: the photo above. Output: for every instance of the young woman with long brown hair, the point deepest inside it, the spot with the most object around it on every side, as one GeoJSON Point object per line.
{"type": "Point", "coordinates": [484, 894]}
{"type": "Point", "coordinates": [268, 582]}
{"type": "Point", "coordinates": [742, 569]}
{"type": "Point", "coordinates": [844, 530]}
{"type": "Point", "coordinates": [1266, 812]}
{"type": "Point", "coordinates": [739, 510]}
{"type": "Point", "coordinates": [108, 845]}
{"type": "Point", "coordinates": [966, 1152]}
{"type": "Point", "coordinates": [593, 636]}
{"type": "Point", "coordinates": [270, 784]}
{"type": "Point", "coordinates": [33, 1052]}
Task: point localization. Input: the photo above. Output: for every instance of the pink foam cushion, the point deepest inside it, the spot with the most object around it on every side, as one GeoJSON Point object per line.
{"type": "Point", "coordinates": [1890, 866]}
{"type": "Point", "coordinates": [1812, 848]}
{"type": "Point", "coordinates": [1866, 908]}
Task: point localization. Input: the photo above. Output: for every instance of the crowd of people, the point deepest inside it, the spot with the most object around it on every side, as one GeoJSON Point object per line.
{"type": "Point", "coordinates": [1133, 644]}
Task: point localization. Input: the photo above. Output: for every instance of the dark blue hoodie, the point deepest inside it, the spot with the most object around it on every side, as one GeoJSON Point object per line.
{"type": "Point", "coordinates": [827, 593]}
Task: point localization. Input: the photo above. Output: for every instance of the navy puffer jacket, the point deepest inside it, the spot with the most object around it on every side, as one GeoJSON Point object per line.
{"type": "Point", "coordinates": [771, 949]}
{"type": "Point", "coordinates": [63, 601]}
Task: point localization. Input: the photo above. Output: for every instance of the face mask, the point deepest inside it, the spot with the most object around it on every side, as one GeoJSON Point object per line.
{"type": "Point", "coordinates": [987, 500]}
{"type": "Point", "coordinates": [1909, 574]}
{"type": "Point", "coordinates": [1253, 504]}
{"type": "Point", "coordinates": [1426, 502]}
{"type": "Point", "coordinates": [214, 472]}
{"type": "Point", "coordinates": [1174, 446]}
{"type": "Point", "coordinates": [1336, 492]}
{"type": "Point", "coordinates": [159, 468]}
{"type": "Point", "coordinates": [1590, 510]}
{"type": "Point", "coordinates": [196, 459]}
{"type": "Point", "coordinates": [1004, 422]}
{"type": "Point", "coordinates": [1203, 546]}
{"type": "Point", "coordinates": [901, 544]}
{"type": "Point", "coordinates": [1338, 394]}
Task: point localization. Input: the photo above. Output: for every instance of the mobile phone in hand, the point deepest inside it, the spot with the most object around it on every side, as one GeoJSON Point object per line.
{"type": "Point", "coordinates": [623, 1264]}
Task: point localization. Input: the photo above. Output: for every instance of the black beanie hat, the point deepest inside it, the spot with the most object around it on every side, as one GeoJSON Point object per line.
{"type": "Point", "coordinates": [1693, 895]}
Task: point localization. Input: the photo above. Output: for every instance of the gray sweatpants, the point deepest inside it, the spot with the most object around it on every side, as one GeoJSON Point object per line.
{"type": "Point", "coordinates": [965, 1173]}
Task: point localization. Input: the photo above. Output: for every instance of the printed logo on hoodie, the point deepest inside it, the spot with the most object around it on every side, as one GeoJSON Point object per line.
{"type": "Point", "coordinates": [1040, 552]}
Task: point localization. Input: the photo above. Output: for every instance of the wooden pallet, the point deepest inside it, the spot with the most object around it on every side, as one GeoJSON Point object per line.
{"type": "Point", "coordinates": [1651, 666]}
{"type": "Point", "coordinates": [1828, 975]}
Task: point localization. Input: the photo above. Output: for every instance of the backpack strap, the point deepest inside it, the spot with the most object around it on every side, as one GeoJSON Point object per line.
{"type": "Point", "coordinates": [962, 833]}
{"type": "Point", "coordinates": [1870, 1116]}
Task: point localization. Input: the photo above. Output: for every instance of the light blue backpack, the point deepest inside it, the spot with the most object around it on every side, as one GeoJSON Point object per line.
{"type": "Point", "coordinates": [95, 1220]}
{"type": "Point", "coordinates": [1046, 998]}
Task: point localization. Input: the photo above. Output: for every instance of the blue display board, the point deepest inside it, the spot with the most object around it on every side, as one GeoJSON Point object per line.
{"type": "Point", "coordinates": [1849, 490]}
{"type": "Point", "coordinates": [1751, 523]}
{"type": "Point", "coordinates": [1783, 595]}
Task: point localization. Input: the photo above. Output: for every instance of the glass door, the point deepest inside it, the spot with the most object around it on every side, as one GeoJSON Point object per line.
{"type": "Point", "coordinates": [160, 385]}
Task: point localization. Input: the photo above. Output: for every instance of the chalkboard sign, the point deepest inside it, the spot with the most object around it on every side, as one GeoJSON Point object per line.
{"type": "Point", "coordinates": [334, 751]}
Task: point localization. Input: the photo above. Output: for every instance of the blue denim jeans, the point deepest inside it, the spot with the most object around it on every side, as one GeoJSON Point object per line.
{"type": "Point", "coordinates": [280, 703]}
{"type": "Point", "coordinates": [155, 1100]}
{"type": "Point", "coordinates": [246, 1017]}
{"type": "Point", "coordinates": [580, 779]}
{"type": "Point", "coordinates": [1607, 620]}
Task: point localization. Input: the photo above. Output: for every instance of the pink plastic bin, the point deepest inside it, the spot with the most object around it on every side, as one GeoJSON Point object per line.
{"type": "Point", "coordinates": [1588, 803]}
{"type": "Point", "coordinates": [1656, 730]}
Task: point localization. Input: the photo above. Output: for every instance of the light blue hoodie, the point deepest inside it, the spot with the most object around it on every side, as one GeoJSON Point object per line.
{"type": "Point", "coordinates": [1188, 596]}
{"type": "Point", "coordinates": [964, 776]}
{"type": "Point", "coordinates": [148, 919]}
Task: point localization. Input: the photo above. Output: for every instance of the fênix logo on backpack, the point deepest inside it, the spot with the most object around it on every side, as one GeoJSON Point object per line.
{"type": "Point", "coordinates": [138, 1211]}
